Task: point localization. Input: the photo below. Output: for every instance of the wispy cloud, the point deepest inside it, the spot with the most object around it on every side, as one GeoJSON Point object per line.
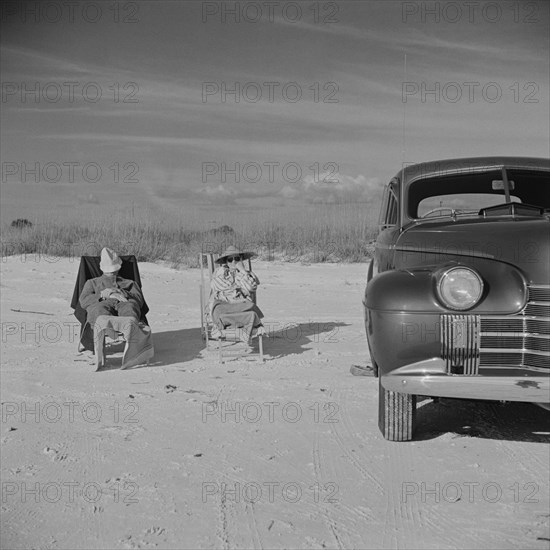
{"type": "Point", "coordinates": [173, 128]}
{"type": "Point", "coordinates": [334, 188]}
{"type": "Point", "coordinates": [415, 40]}
{"type": "Point", "coordinates": [324, 188]}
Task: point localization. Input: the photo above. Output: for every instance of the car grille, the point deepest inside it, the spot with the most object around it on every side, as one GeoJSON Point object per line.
{"type": "Point", "coordinates": [460, 343]}
{"type": "Point", "coordinates": [470, 343]}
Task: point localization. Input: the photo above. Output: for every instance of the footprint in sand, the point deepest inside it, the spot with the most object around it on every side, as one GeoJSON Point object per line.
{"type": "Point", "coordinates": [55, 454]}
{"type": "Point", "coordinates": [27, 469]}
{"type": "Point", "coordinates": [127, 432]}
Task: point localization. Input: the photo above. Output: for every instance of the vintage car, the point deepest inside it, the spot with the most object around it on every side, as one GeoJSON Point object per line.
{"type": "Point", "coordinates": [457, 302]}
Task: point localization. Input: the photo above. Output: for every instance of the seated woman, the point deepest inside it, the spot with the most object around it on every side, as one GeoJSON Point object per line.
{"type": "Point", "coordinates": [231, 301]}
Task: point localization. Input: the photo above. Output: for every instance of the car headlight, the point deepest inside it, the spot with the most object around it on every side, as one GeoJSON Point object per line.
{"type": "Point", "coordinates": [460, 288]}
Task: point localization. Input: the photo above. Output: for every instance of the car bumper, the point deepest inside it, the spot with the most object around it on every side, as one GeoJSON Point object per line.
{"type": "Point", "coordinates": [429, 378]}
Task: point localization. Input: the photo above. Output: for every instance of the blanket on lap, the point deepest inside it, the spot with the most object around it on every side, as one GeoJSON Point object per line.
{"type": "Point", "coordinates": [139, 341]}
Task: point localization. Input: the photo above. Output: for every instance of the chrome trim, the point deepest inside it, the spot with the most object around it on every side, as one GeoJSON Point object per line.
{"type": "Point", "coordinates": [517, 324]}
{"type": "Point", "coordinates": [460, 343]}
{"type": "Point", "coordinates": [473, 343]}
{"type": "Point", "coordinates": [521, 340]}
{"type": "Point", "coordinates": [531, 389]}
{"type": "Point", "coordinates": [438, 252]}
{"type": "Point", "coordinates": [519, 334]}
{"type": "Point", "coordinates": [522, 350]}
{"type": "Point", "coordinates": [434, 365]}
{"type": "Point", "coordinates": [511, 367]}
{"type": "Point", "coordinates": [516, 341]}
{"type": "Point", "coordinates": [539, 292]}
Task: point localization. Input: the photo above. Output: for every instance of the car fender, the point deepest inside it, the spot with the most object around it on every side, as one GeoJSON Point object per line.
{"type": "Point", "coordinates": [414, 290]}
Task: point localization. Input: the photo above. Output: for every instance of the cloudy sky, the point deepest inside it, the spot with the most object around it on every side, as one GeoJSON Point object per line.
{"type": "Point", "coordinates": [209, 102]}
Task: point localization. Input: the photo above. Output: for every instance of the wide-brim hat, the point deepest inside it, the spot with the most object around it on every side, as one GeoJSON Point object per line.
{"type": "Point", "coordinates": [233, 251]}
{"type": "Point", "coordinates": [109, 261]}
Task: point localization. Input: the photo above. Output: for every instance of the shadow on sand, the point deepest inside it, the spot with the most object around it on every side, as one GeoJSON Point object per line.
{"type": "Point", "coordinates": [180, 346]}
{"type": "Point", "coordinates": [298, 338]}
{"type": "Point", "coordinates": [171, 347]}
{"type": "Point", "coordinates": [482, 419]}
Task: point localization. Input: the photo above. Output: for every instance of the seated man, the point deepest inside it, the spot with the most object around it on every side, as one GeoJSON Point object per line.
{"type": "Point", "coordinates": [231, 301]}
{"type": "Point", "coordinates": [110, 294]}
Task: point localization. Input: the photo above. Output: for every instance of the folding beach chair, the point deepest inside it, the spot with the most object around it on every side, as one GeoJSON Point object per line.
{"type": "Point", "coordinates": [230, 334]}
{"type": "Point", "coordinates": [113, 328]}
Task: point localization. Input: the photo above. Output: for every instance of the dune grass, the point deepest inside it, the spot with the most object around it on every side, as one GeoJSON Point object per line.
{"type": "Point", "coordinates": [328, 233]}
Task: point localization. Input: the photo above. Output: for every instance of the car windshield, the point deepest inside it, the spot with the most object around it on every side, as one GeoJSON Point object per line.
{"type": "Point", "coordinates": [467, 194]}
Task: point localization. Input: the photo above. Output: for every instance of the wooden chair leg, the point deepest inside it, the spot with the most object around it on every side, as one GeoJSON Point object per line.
{"type": "Point", "coordinates": [99, 345]}
{"type": "Point", "coordinates": [220, 356]}
{"type": "Point", "coordinates": [261, 346]}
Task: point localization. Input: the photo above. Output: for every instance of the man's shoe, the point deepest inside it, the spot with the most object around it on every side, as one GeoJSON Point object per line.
{"type": "Point", "coordinates": [360, 370]}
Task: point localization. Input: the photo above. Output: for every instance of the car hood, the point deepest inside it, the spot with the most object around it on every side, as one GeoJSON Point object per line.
{"type": "Point", "coordinates": [523, 242]}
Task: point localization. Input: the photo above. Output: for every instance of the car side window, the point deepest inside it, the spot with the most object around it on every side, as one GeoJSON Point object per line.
{"type": "Point", "coordinates": [389, 211]}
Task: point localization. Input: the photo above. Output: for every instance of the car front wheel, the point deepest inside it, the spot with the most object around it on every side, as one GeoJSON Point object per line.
{"type": "Point", "coordinates": [396, 414]}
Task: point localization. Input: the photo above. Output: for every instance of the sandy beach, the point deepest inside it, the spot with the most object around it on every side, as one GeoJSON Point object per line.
{"type": "Point", "coordinates": [190, 453]}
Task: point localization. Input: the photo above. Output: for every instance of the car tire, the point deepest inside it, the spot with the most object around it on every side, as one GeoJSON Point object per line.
{"type": "Point", "coordinates": [396, 414]}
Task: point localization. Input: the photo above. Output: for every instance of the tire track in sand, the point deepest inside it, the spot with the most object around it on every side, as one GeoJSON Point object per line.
{"type": "Point", "coordinates": [330, 522]}
{"type": "Point", "coordinates": [415, 521]}
{"type": "Point", "coordinates": [344, 437]}
{"type": "Point", "coordinates": [403, 521]}
{"type": "Point", "coordinates": [355, 517]}
{"type": "Point", "coordinates": [229, 511]}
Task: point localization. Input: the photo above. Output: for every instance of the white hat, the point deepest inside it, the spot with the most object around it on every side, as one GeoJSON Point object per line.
{"type": "Point", "coordinates": [109, 261]}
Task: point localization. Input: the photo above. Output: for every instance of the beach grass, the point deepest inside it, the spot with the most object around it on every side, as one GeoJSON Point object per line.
{"type": "Point", "coordinates": [324, 233]}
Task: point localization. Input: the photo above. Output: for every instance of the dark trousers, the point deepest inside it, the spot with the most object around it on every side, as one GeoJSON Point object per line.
{"type": "Point", "coordinates": [113, 307]}
{"type": "Point", "coordinates": [242, 315]}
